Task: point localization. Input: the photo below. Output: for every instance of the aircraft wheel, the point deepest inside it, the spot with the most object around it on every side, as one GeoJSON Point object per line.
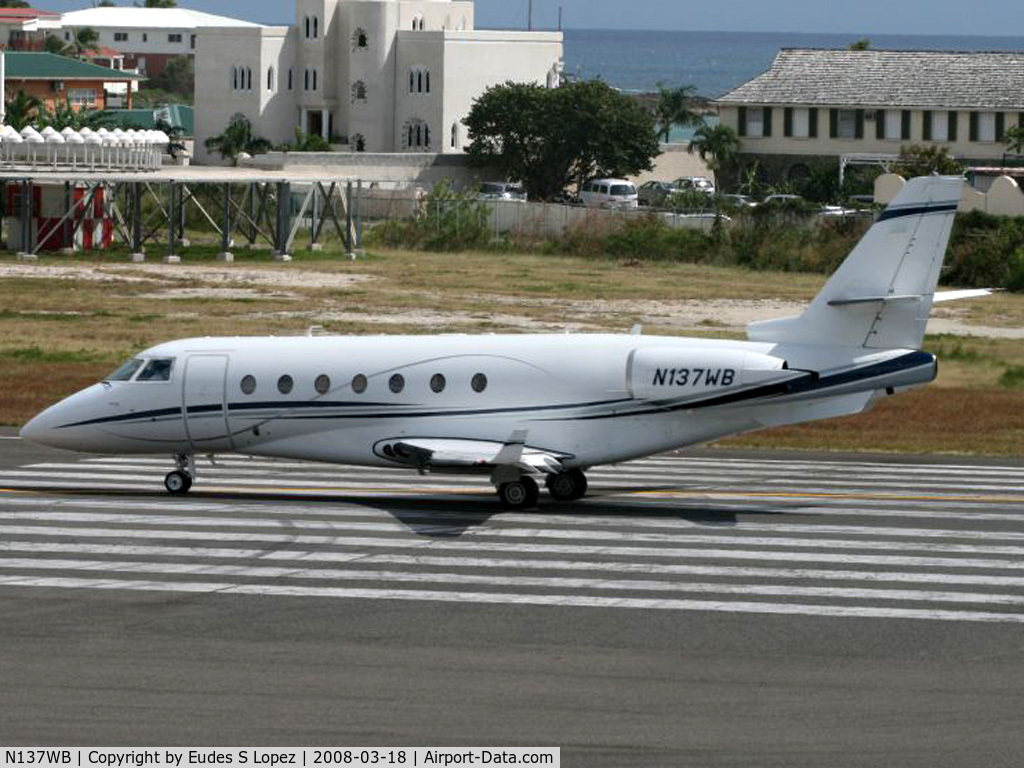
{"type": "Point", "coordinates": [568, 486]}
{"type": "Point", "coordinates": [178, 483]}
{"type": "Point", "coordinates": [519, 494]}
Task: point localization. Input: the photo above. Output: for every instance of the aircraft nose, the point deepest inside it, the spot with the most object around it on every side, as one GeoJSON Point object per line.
{"type": "Point", "coordinates": [40, 430]}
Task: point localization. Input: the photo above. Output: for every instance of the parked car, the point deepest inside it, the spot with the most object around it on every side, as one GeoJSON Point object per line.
{"type": "Point", "coordinates": [696, 183]}
{"type": "Point", "coordinates": [838, 211]}
{"type": "Point", "coordinates": [743, 202]}
{"type": "Point", "coordinates": [609, 193]}
{"type": "Point", "coordinates": [655, 193]}
{"type": "Point", "coordinates": [784, 200]}
{"type": "Point", "coordinates": [501, 190]}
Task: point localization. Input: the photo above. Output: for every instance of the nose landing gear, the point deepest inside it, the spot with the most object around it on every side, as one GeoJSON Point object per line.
{"type": "Point", "coordinates": [179, 482]}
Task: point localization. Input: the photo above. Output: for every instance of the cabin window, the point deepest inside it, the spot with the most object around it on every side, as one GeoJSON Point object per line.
{"type": "Point", "coordinates": [126, 371]}
{"type": "Point", "coordinates": [397, 383]}
{"type": "Point", "coordinates": [157, 370]}
{"type": "Point", "coordinates": [359, 384]}
{"type": "Point", "coordinates": [248, 385]}
{"type": "Point", "coordinates": [438, 383]}
{"type": "Point", "coordinates": [479, 382]}
{"type": "Point", "coordinates": [322, 384]}
{"type": "Point", "coordinates": [285, 385]}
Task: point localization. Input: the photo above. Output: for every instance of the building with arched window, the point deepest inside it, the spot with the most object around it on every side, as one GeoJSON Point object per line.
{"type": "Point", "coordinates": [387, 75]}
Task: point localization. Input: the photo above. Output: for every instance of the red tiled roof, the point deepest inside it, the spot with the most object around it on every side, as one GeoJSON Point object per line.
{"type": "Point", "coordinates": [102, 52]}
{"type": "Point", "coordinates": [24, 14]}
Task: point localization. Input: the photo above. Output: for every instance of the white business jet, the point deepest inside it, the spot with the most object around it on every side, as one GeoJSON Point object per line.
{"type": "Point", "coordinates": [517, 408]}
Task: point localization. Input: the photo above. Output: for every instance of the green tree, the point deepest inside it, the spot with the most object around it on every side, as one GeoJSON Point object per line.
{"type": "Point", "coordinates": [82, 40]}
{"type": "Point", "coordinates": [157, 4]}
{"type": "Point", "coordinates": [1015, 140]}
{"type": "Point", "coordinates": [306, 142]}
{"type": "Point", "coordinates": [178, 78]}
{"type": "Point", "coordinates": [675, 107]}
{"type": "Point", "coordinates": [917, 160]}
{"type": "Point", "coordinates": [717, 145]}
{"type": "Point", "coordinates": [14, 4]}
{"type": "Point", "coordinates": [548, 139]}
{"type": "Point", "coordinates": [864, 44]}
{"type": "Point", "coordinates": [236, 139]}
{"type": "Point", "coordinates": [63, 115]}
{"type": "Point", "coordinates": [22, 110]}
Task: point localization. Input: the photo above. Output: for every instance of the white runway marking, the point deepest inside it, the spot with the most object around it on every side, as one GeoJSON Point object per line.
{"type": "Point", "coordinates": [578, 601]}
{"type": "Point", "coordinates": [744, 536]}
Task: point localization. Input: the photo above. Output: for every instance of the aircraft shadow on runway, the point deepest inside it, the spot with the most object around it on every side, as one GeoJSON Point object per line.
{"type": "Point", "coordinates": [445, 516]}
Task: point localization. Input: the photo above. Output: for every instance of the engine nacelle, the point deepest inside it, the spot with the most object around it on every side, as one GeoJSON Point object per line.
{"type": "Point", "coordinates": [669, 374]}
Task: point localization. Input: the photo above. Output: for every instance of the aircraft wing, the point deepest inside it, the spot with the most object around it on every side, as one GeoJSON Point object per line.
{"type": "Point", "coordinates": [445, 453]}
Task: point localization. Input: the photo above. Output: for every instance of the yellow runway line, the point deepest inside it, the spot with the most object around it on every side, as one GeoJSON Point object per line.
{"type": "Point", "coordinates": [837, 496]}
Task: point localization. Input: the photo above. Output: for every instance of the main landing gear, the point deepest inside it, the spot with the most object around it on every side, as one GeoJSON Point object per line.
{"type": "Point", "coordinates": [179, 482]}
{"type": "Point", "coordinates": [523, 492]}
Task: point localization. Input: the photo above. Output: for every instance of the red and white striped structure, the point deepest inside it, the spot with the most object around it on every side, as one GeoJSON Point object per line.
{"type": "Point", "coordinates": [90, 226]}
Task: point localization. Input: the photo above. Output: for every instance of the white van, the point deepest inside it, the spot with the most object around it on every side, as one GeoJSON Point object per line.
{"type": "Point", "coordinates": [609, 193]}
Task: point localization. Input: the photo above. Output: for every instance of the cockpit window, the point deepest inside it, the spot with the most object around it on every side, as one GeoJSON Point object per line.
{"type": "Point", "coordinates": [126, 371]}
{"type": "Point", "coordinates": [157, 370]}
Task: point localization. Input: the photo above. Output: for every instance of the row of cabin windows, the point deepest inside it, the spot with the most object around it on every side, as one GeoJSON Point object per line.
{"type": "Point", "coordinates": [889, 124]}
{"type": "Point", "coordinates": [360, 383]}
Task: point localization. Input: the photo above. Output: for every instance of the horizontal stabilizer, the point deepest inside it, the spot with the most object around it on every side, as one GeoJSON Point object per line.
{"type": "Point", "coordinates": [873, 300]}
{"type": "Point", "coordinates": [978, 293]}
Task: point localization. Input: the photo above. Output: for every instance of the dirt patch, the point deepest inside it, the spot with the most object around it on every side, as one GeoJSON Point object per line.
{"type": "Point", "coordinates": [173, 273]}
{"type": "Point", "coordinates": [217, 293]}
{"type": "Point", "coordinates": [436, 321]}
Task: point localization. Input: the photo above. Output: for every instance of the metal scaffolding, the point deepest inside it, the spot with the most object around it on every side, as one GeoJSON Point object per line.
{"type": "Point", "coordinates": [147, 210]}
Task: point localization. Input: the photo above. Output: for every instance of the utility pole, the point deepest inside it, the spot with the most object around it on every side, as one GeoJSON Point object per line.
{"type": "Point", "coordinates": [529, 17]}
{"type": "Point", "coordinates": [560, 9]}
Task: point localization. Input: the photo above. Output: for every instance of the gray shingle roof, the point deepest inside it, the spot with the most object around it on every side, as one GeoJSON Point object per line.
{"type": "Point", "coordinates": [923, 79]}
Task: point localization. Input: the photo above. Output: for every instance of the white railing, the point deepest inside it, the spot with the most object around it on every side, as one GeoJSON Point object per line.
{"type": "Point", "coordinates": [81, 150]}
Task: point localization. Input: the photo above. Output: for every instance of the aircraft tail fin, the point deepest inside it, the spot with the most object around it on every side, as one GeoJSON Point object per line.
{"type": "Point", "coordinates": [882, 295]}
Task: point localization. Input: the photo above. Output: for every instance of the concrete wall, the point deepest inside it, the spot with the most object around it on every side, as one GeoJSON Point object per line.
{"type": "Point", "coordinates": [1004, 197]}
{"type": "Point", "coordinates": [674, 162]}
{"type": "Point", "coordinates": [387, 169]}
{"type": "Point", "coordinates": [476, 61]}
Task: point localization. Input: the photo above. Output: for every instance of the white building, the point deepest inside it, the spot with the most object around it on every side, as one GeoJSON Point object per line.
{"type": "Point", "coordinates": [388, 75]}
{"type": "Point", "coordinates": [149, 37]}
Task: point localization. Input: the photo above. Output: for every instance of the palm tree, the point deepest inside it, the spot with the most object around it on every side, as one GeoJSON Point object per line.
{"type": "Point", "coordinates": [237, 138]}
{"type": "Point", "coordinates": [22, 110]}
{"type": "Point", "coordinates": [675, 108]}
{"type": "Point", "coordinates": [717, 146]}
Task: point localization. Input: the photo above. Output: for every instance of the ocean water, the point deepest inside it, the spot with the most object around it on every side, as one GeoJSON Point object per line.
{"type": "Point", "coordinates": [717, 62]}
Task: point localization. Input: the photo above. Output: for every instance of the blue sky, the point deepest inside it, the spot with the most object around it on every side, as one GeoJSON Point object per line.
{"type": "Point", "coordinates": [926, 17]}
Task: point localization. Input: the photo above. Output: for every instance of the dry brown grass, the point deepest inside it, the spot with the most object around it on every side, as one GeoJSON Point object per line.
{"type": "Point", "coordinates": [932, 420]}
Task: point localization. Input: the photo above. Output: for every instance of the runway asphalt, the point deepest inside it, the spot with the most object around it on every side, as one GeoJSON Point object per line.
{"type": "Point", "coordinates": [707, 609]}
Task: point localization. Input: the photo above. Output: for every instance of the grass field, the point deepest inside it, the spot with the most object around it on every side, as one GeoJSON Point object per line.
{"type": "Point", "coordinates": [67, 321]}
